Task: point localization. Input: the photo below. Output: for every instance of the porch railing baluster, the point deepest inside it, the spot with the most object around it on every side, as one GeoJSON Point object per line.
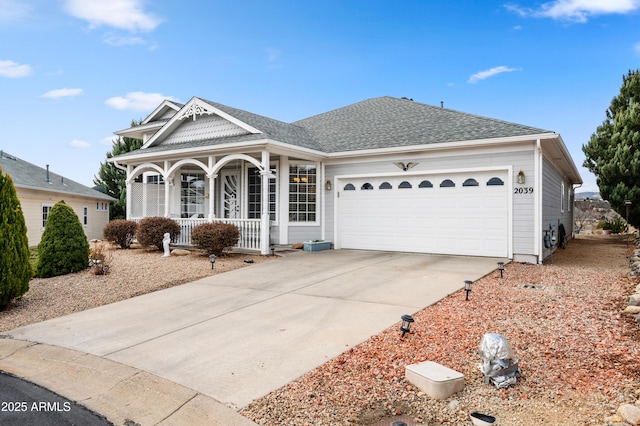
{"type": "Point", "coordinates": [249, 231]}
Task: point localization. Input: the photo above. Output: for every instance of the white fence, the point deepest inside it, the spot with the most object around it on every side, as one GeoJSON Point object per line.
{"type": "Point", "coordinates": [249, 231]}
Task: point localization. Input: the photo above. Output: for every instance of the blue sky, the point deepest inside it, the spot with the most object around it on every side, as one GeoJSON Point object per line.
{"type": "Point", "coordinates": [74, 71]}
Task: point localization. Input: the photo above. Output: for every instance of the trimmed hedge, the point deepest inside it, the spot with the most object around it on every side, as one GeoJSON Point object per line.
{"type": "Point", "coordinates": [15, 268]}
{"type": "Point", "coordinates": [63, 248]}
{"type": "Point", "coordinates": [214, 238]}
{"type": "Point", "coordinates": [120, 232]}
{"type": "Point", "coordinates": [151, 231]}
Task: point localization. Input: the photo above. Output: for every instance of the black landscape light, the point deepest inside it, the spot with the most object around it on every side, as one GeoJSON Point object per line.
{"type": "Point", "coordinates": [501, 268]}
{"type": "Point", "coordinates": [406, 324]}
{"type": "Point", "coordinates": [273, 250]}
{"type": "Point", "coordinates": [467, 288]}
{"type": "Point", "coordinates": [212, 259]}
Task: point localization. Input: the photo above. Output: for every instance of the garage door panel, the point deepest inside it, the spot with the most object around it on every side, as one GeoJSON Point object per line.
{"type": "Point", "coordinates": [450, 220]}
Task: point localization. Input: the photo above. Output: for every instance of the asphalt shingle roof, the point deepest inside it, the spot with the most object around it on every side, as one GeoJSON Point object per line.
{"type": "Point", "coordinates": [383, 122]}
{"type": "Point", "coordinates": [27, 175]}
{"type": "Point", "coordinates": [391, 122]}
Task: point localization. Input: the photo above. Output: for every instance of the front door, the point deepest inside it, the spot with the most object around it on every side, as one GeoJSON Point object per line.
{"type": "Point", "coordinates": [230, 195]}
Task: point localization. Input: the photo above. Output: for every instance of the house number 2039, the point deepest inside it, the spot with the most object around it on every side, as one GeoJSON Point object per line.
{"type": "Point", "coordinates": [528, 190]}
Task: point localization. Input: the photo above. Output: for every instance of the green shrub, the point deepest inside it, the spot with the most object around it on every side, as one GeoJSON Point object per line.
{"type": "Point", "coordinates": [120, 232]}
{"type": "Point", "coordinates": [214, 238]}
{"type": "Point", "coordinates": [15, 269]}
{"type": "Point", "coordinates": [151, 231]}
{"type": "Point", "coordinates": [617, 225]}
{"type": "Point", "coordinates": [63, 248]}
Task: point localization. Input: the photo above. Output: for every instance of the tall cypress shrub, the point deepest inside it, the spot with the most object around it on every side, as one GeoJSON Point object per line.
{"type": "Point", "coordinates": [64, 247]}
{"type": "Point", "coordinates": [15, 269]}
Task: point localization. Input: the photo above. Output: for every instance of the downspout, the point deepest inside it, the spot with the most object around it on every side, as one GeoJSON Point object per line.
{"type": "Point", "coordinates": [323, 214]}
{"type": "Point", "coordinates": [537, 158]}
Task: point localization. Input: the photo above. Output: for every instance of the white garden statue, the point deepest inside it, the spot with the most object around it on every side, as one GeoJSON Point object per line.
{"type": "Point", "coordinates": [165, 243]}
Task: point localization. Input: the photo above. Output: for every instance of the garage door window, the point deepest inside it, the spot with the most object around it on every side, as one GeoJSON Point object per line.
{"type": "Point", "coordinates": [302, 192]}
{"type": "Point", "coordinates": [447, 183]}
{"type": "Point", "coordinates": [366, 186]}
{"type": "Point", "coordinates": [494, 181]}
{"type": "Point", "coordinates": [470, 182]}
{"type": "Point", "coordinates": [349, 187]}
{"type": "Point", "coordinates": [404, 185]}
{"type": "Point", "coordinates": [425, 184]}
{"type": "Point", "coordinates": [385, 185]}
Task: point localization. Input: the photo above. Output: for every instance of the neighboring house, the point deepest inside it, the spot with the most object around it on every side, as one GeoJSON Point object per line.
{"type": "Point", "coordinates": [381, 174]}
{"type": "Point", "coordinates": [39, 189]}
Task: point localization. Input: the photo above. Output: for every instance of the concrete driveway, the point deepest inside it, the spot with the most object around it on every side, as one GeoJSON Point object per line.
{"type": "Point", "coordinates": [236, 336]}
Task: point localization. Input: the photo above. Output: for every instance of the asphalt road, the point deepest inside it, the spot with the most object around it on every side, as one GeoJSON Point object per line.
{"type": "Point", "coordinates": [23, 403]}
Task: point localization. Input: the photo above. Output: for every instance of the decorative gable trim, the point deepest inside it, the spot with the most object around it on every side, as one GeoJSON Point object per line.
{"type": "Point", "coordinates": [195, 107]}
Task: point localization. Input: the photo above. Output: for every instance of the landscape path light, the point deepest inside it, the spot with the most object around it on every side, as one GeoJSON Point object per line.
{"type": "Point", "coordinates": [467, 288]}
{"type": "Point", "coordinates": [212, 259]}
{"type": "Point", "coordinates": [501, 268]}
{"type": "Point", "coordinates": [406, 324]}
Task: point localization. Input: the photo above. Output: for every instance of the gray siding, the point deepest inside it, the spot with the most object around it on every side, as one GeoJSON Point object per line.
{"type": "Point", "coordinates": [557, 205]}
{"type": "Point", "coordinates": [299, 234]}
{"type": "Point", "coordinates": [523, 205]}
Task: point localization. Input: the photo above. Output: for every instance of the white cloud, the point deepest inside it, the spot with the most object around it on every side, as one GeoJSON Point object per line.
{"type": "Point", "coordinates": [62, 93]}
{"type": "Point", "coordinates": [636, 47]}
{"type": "Point", "coordinates": [14, 10]}
{"type": "Point", "coordinates": [114, 40]}
{"type": "Point", "coordinates": [138, 101]}
{"type": "Point", "coordinates": [123, 14]}
{"type": "Point", "coordinates": [13, 69]}
{"type": "Point", "coordinates": [76, 143]}
{"type": "Point", "coordinates": [576, 10]}
{"type": "Point", "coordinates": [489, 73]}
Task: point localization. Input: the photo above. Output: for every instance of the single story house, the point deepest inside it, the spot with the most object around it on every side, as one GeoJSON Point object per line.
{"type": "Point", "coordinates": [38, 189]}
{"type": "Point", "coordinates": [382, 174]}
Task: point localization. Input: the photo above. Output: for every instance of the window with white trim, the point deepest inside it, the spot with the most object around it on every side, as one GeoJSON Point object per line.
{"type": "Point", "coordinates": [192, 198]}
{"type": "Point", "coordinates": [85, 215]}
{"type": "Point", "coordinates": [46, 209]}
{"type": "Point", "coordinates": [254, 182]}
{"type": "Point", "coordinates": [302, 192]}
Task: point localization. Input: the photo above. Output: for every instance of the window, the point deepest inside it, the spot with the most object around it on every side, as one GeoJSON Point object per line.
{"type": "Point", "coordinates": [191, 194]}
{"type": "Point", "coordinates": [46, 208]}
{"type": "Point", "coordinates": [85, 215]}
{"type": "Point", "coordinates": [404, 185]}
{"type": "Point", "coordinates": [494, 181]}
{"type": "Point", "coordinates": [302, 192]}
{"type": "Point", "coordinates": [447, 183]}
{"type": "Point", "coordinates": [349, 187]}
{"type": "Point", "coordinates": [102, 206]}
{"type": "Point", "coordinates": [385, 185]}
{"type": "Point", "coordinates": [470, 182]}
{"type": "Point", "coordinates": [366, 186]}
{"type": "Point", "coordinates": [425, 184]}
{"type": "Point", "coordinates": [255, 195]}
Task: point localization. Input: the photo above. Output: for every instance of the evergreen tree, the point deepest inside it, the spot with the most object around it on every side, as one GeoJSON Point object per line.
{"type": "Point", "coordinates": [112, 179]}
{"type": "Point", "coordinates": [15, 269]}
{"type": "Point", "coordinates": [63, 248]}
{"type": "Point", "coordinates": [613, 151]}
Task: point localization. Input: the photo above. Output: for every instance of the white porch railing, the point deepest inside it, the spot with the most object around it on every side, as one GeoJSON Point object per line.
{"type": "Point", "coordinates": [249, 231]}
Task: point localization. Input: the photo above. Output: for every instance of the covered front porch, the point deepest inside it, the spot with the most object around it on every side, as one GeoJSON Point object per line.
{"type": "Point", "coordinates": [233, 189]}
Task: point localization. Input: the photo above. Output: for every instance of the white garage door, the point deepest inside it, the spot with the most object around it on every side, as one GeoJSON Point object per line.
{"type": "Point", "coordinates": [461, 213]}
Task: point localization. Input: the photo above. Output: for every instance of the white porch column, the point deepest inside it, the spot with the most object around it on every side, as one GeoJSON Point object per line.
{"type": "Point", "coordinates": [166, 189]}
{"type": "Point", "coordinates": [212, 180]}
{"type": "Point", "coordinates": [129, 193]}
{"type": "Point", "coordinates": [264, 224]}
